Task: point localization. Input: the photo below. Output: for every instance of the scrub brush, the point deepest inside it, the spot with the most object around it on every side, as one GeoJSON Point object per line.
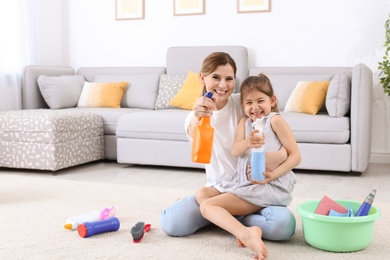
{"type": "Point", "coordinates": [139, 230]}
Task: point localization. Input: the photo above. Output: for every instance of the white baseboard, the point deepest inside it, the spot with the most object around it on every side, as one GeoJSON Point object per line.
{"type": "Point", "coordinates": [379, 157]}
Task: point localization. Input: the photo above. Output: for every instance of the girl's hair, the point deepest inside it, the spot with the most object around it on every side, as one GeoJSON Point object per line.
{"type": "Point", "coordinates": [214, 60]}
{"type": "Point", "coordinates": [260, 83]}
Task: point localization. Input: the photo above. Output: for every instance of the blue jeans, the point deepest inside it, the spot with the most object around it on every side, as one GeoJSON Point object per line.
{"type": "Point", "coordinates": [184, 218]}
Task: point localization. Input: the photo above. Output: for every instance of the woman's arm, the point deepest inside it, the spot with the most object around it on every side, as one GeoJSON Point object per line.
{"type": "Point", "coordinates": [282, 130]}
{"type": "Point", "coordinates": [274, 159]}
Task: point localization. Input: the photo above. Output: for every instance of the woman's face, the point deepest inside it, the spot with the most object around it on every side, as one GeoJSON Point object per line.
{"type": "Point", "coordinates": [221, 83]}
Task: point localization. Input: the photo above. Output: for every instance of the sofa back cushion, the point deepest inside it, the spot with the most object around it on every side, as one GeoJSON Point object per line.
{"type": "Point", "coordinates": [141, 91]}
{"type": "Point", "coordinates": [143, 82]}
{"type": "Point", "coordinates": [182, 59]}
{"type": "Point", "coordinates": [284, 79]}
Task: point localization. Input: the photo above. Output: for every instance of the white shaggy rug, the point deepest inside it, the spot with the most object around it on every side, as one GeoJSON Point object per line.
{"type": "Point", "coordinates": [33, 211]}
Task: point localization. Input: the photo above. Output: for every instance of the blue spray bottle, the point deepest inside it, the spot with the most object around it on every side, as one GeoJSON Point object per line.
{"type": "Point", "coordinates": [366, 206]}
{"type": "Point", "coordinates": [88, 229]}
{"type": "Point", "coordinates": [258, 155]}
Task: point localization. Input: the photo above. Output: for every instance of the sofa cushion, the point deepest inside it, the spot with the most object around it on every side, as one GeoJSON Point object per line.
{"type": "Point", "coordinates": [307, 97]}
{"type": "Point", "coordinates": [61, 91]}
{"type": "Point", "coordinates": [320, 128]}
{"type": "Point", "coordinates": [339, 95]}
{"type": "Point", "coordinates": [145, 124]}
{"type": "Point", "coordinates": [110, 116]}
{"type": "Point", "coordinates": [168, 87]}
{"type": "Point", "coordinates": [142, 89]}
{"type": "Point", "coordinates": [102, 94]}
{"type": "Point", "coordinates": [189, 92]}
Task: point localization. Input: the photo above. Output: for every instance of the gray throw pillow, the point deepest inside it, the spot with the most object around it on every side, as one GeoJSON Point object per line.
{"type": "Point", "coordinates": [167, 90]}
{"type": "Point", "coordinates": [141, 91]}
{"type": "Point", "coordinates": [339, 95]}
{"type": "Point", "coordinates": [61, 91]}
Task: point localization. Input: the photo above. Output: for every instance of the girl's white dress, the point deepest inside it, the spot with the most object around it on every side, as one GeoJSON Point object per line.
{"type": "Point", "coordinates": [274, 193]}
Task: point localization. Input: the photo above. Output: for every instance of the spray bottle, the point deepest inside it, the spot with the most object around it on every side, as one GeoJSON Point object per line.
{"type": "Point", "coordinates": [202, 145]}
{"type": "Point", "coordinates": [73, 222]}
{"type": "Point", "coordinates": [258, 155]}
{"type": "Point", "coordinates": [88, 229]}
{"type": "Point", "coordinates": [365, 207]}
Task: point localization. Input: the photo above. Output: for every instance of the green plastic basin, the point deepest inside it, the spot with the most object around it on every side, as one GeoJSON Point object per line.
{"type": "Point", "coordinates": [337, 234]}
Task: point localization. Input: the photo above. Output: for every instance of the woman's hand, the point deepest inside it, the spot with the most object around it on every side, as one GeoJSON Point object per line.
{"type": "Point", "coordinates": [203, 107]}
{"type": "Point", "coordinates": [268, 177]}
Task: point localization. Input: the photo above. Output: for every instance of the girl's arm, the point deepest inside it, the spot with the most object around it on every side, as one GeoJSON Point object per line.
{"type": "Point", "coordinates": [283, 132]}
{"type": "Point", "coordinates": [240, 145]}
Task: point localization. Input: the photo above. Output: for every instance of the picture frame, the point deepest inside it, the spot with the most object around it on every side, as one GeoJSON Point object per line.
{"type": "Point", "coordinates": [188, 7]}
{"type": "Point", "coordinates": [253, 6]}
{"type": "Point", "coordinates": [129, 9]}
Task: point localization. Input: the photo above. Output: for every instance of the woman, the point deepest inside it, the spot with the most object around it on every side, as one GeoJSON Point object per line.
{"type": "Point", "coordinates": [218, 75]}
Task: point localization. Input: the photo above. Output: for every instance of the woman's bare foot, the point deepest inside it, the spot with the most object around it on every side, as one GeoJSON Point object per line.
{"type": "Point", "coordinates": [253, 241]}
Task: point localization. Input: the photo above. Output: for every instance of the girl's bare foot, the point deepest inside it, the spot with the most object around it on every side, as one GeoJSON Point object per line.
{"type": "Point", "coordinates": [253, 241]}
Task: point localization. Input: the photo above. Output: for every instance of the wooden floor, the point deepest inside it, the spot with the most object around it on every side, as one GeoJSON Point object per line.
{"type": "Point", "coordinates": [310, 184]}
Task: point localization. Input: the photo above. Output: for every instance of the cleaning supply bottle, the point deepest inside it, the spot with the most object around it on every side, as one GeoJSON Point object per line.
{"type": "Point", "coordinates": [365, 207]}
{"type": "Point", "coordinates": [202, 145]}
{"type": "Point", "coordinates": [88, 229]}
{"type": "Point", "coordinates": [73, 222]}
{"type": "Point", "coordinates": [258, 155]}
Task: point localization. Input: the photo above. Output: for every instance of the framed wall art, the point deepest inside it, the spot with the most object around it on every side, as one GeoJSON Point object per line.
{"type": "Point", "coordinates": [130, 9]}
{"type": "Point", "coordinates": [253, 6]}
{"type": "Point", "coordinates": [188, 7]}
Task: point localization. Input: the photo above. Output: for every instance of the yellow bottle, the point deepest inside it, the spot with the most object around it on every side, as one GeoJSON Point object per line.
{"type": "Point", "coordinates": [202, 145]}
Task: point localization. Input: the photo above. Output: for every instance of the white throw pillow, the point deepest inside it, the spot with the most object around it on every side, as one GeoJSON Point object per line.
{"type": "Point", "coordinates": [61, 91]}
{"type": "Point", "coordinates": [339, 95]}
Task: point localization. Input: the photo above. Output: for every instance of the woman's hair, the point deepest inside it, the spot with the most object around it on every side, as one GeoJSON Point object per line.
{"type": "Point", "coordinates": [260, 83]}
{"type": "Point", "coordinates": [214, 60]}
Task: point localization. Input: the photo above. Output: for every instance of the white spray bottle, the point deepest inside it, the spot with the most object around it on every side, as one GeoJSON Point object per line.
{"type": "Point", "coordinates": [258, 155]}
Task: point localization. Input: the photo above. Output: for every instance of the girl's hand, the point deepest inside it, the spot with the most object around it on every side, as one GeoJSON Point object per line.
{"type": "Point", "coordinates": [203, 107]}
{"type": "Point", "coordinates": [254, 140]}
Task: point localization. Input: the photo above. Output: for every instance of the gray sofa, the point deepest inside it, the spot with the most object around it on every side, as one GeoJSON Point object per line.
{"type": "Point", "coordinates": [138, 133]}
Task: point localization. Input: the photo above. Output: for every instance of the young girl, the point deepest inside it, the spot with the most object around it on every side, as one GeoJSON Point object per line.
{"type": "Point", "coordinates": [239, 195]}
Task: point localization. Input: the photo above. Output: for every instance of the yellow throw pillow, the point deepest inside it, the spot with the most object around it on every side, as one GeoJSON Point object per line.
{"type": "Point", "coordinates": [307, 97]}
{"type": "Point", "coordinates": [189, 92]}
{"type": "Point", "coordinates": [96, 94]}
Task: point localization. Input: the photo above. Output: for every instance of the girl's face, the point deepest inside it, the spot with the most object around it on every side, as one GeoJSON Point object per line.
{"type": "Point", "coordinates": [256, 104]}
{"type": "Point", "coordinates": [221, 83]}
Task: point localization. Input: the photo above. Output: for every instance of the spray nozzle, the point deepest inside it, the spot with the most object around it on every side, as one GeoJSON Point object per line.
{"type": "Point", "coordinates": [258, 124]}
{"type": "Point", "coordinates": [208, 94]}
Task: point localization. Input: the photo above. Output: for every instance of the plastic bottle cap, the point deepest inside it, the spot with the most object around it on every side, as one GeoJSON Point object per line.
{"type": "Point", "coordinates": [68, 226]}
{"type": "Point", "coordinates": [82, 229]}
{"type": "Point", "coordinates": [208, 94]}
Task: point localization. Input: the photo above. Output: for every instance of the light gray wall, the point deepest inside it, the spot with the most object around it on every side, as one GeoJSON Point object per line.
{"type": "Point", "coordinates": [294, 33]}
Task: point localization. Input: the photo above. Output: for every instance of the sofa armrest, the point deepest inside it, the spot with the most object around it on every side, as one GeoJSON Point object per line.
{"type": "Point", "coordinates": [361, 117]}
{"type": "Point", "coordinates": [31, 95]}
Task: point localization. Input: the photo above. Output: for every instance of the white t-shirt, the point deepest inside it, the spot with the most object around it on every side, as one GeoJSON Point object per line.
{"type": "Point", "coordinates": [224, 121]}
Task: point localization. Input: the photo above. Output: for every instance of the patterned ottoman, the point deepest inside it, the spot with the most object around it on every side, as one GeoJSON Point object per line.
{"type": "Point", "coordinates": [47, 139]}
